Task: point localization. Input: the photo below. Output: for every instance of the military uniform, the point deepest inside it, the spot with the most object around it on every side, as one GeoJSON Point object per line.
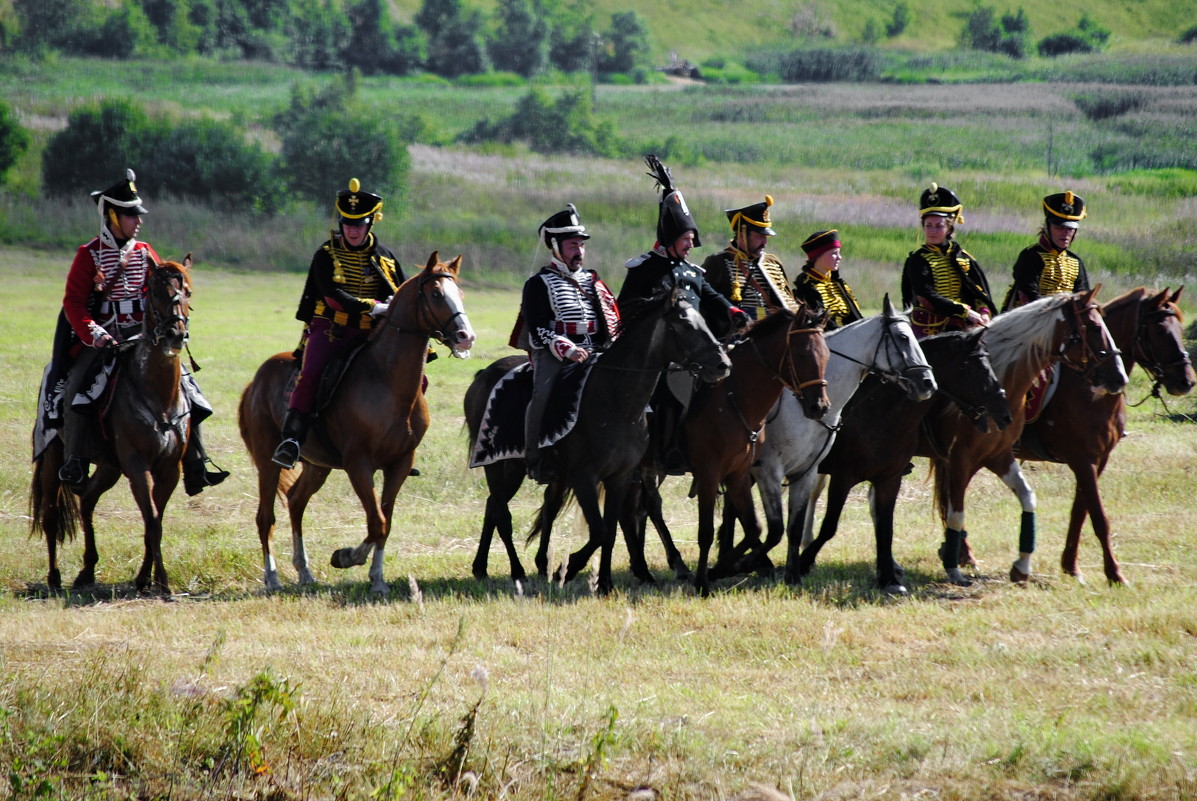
{"type": "Point", "coordinates": [828, 292]}
{"type": "Point", "coordinates": [1043, 269]}
{"type": "Point", "coordinates": [347, 287]}
{"type": "Point", "coordinates": [943, 282]}
{"type": "Point", "coordinates": [103, 299]}
{"type": "Point", "coordinates": [564, 309]}
{"type": "Point", "coordinates": [758, 285]}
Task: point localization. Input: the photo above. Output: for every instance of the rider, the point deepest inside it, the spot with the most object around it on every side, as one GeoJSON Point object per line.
{"type": "Point", "coordinates": [566, 313]}
{"type": "Point", "coordinates": [664, 268]}
{"type": "Point", "coordinates": [943, 283]}
{"type": "Point", "coordinates": [1049, 267]}
{"type": "Point", "coordinates": [820, 284]}
{"type": "Point", "coordinates": [350, 282]}
{"type": "Point", "coordinates": [102, 307]}
{"type": "Point", "coordinates": [743, 272]}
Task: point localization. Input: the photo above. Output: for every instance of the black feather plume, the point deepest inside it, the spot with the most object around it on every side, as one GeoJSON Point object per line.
{"type": "Point", "coordinates": [660, 173]}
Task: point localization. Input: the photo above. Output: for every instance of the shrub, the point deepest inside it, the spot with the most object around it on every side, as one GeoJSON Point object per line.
{"type": "Point", "coordinates": [1088, 37]}
{"type": "Point", "coordinates": [899, 21]}
{"type": "Point", "coordinates": [13, 139]}
{"type": "Point", "coordinates": [566, 125]}
{"type": "Point", "coordinates": [98, 144]}
{"type": "Point", "coordinates": [983, 31]}
{"type": "Point", "coordinates": [1104, 105]}
{"type": "Point", "coordinates": [1189, 36]}
{"type": "Point", "coordinates": [209, 161]}
{"type": "Point", "coordinates": [826, 64]}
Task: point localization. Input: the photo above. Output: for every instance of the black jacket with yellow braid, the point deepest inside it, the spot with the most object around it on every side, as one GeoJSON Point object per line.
{"type": "Point", "coordinates": [344, 283]}
{"type": "Point", "coordinates": [944, 280]}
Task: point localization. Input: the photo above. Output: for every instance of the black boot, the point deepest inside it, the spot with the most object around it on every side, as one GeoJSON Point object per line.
{"type": "Point", "coordinates": [295, 429]}
{"type": "Point", "coordinates": [73, 473]}
{"type": "Point", "coordinates": [196, 475]}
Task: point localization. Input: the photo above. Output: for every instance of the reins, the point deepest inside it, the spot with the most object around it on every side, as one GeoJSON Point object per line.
{"type": "Point", "coordinates": [424, 314]}
{"type": "Point", "coordinates": [1091, 360]}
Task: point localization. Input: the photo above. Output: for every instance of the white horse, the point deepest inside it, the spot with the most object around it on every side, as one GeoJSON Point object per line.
{"type": "Point", "coordinates": [794, 444]}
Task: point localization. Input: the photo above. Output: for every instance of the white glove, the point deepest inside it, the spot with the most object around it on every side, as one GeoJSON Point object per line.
{"type": "Point", "coordinates": [379, 309]}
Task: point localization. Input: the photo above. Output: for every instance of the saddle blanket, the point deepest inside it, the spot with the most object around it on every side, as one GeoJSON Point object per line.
{"type": "Point", "coordinates": [501, 435]}
{"type": "Point", "coordinates": [1042, 390]}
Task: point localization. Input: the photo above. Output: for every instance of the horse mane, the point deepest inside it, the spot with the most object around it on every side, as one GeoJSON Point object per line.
{"type": "Point", "coordinates": [778, 319]}
{"type": "Point", "coordinates": [634, 310]}
{"type": "Point", "coordinates": [1133, 296]}
{"type": "Point", "coordinates": [1022, 336]}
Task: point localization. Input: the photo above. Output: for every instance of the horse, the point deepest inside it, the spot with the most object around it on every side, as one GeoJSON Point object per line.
{"type": "Point", "coordinates": [1080, 428]}
{"type": "Point", "coordinates": [1022, 342]}
{"type": "Point", "coordinates": [609, 438]}
{"type": "Point", "coordinates": [374, 421]}
{"type": "Point", "coordinates": [883, 345]}
{"type": "Point", "coordinates": [146, 423]}
{"type": "Point", "coordinates": [879, 435]}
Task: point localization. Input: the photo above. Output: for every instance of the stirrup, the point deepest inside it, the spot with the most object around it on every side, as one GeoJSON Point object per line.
{"type": "Point", "coordinates": [196, 478]}
{"type": "Point", "coordinates": [73, 473]}
{"type": "Point", "coordinates": [286, 454]}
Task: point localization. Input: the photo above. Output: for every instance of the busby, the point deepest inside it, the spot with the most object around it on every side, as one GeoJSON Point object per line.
{"type": "Point", "coordinates": [673, 216]}
{"type": "Point", "coordinates": [941, 202]}
{"type": "Point", "coordinates": [1064, 209]}
{"type": "Point", "coordinates": [562, 225]}
{"type": "Point", "coordinates": [121, 197]}
{"type": "Point", "coordinates": [356, 207]}
{"type": "Point", "coordinates": [820, 242]}
{"type": "Point", "coordinates": [756, 216]}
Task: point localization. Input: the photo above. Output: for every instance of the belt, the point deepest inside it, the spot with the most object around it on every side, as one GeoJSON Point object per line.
{"type": "Point", "coordinates": [131, 306]}
{"type": "Point", "coordinates": [574, 329]}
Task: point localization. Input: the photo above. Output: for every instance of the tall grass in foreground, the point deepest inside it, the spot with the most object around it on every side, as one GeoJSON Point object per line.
{"type": "Point", "coordinates": [451, 687]}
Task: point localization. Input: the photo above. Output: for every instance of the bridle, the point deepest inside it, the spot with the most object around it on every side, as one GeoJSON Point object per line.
{"type": "Point", "coordinates": [888, 340]}
{"type": "Point", "coordinates": [794, 382]}
{"type": "Point", "coordinates": [1142, 355]}
{"type": "Point", "coordinates": [679, 304]}
{"type": "Point", "coordinates": [1090, 360]}
{"type": "Point", "coordinates": [426, 318]}
{"type": "Point", "coordinates": [164, 326]}
{"type": "Point", "coordinates": [977, 410]}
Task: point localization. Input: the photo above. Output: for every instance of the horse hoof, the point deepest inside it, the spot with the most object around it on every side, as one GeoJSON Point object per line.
{"type": "Point", "coordinates": [343, 558]}
{"type": "Point", "coordinates": [1017, 576]}
{"type": "Point", "coordinates": [957, 578]}
{"type": "Point", "coordinates": [896, 590]}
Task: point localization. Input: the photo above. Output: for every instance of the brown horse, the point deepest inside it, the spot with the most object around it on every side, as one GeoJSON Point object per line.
{"type": "Point", "coordinates": [1080, 428]}
{"type": "Point", "coordinates": [609, 438]}
{"type": "Point", "coordinates": [146, 425]}
{"type": "Point", "coordinates": [374, 421]}
{"type": "Point", "coordinates": [1021, 344]}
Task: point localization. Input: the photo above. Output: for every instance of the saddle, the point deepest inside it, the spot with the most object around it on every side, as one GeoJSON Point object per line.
{"type": "Point", "coordinates": [501, 435]}
{"type": "Point", "coordinates": [1042, 390]}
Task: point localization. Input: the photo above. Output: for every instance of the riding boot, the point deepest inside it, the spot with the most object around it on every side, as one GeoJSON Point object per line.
{"type": "Point", "coordinates": [73, 472]}
{"type": "Point", "coordinates": [295, 430]}
{"type": "Point", "coordinates": [196, 474]}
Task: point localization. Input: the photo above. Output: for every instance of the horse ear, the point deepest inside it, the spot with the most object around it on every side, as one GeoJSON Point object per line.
{"type": "Point", "coordinates": [887, 306]}
{"type": "Point", "coordinates": [187, 261]}
{"type": "Point", "coordinates": [1176, 294]}
{"type": "Point", "coordinates": [433, 260]}
{"type": "Point", "coordinates": [1092, 294]}
{"type": "Point", "coordinates": [455, 265]}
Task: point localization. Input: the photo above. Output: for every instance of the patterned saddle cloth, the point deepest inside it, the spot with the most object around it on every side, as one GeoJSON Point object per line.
{"type": "Point", "coordinates": [501, 435]}
{"type": "Point", "coordinates": [1042, 390]}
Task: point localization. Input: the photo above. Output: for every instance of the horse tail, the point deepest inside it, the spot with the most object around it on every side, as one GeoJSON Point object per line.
{"type": "Point", "coordinates": [539, 523]}
{"type": "Point", "coordinates": [940, 499]}
{"type": "Point", "coordinates": [53, 509]}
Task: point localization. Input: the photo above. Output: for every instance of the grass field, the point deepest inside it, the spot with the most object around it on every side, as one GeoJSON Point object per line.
{"type": "Point", "coordinates": [450, 687]}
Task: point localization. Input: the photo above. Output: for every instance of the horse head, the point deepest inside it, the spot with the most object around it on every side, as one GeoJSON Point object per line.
{"type": "Point", "coordinates": [802, 357]}
{"type": "Point", "coordinates": [168, 304]}
{"type": "Point", "coordinates": [906, 363]}
{"type": "Point", "coordinates": [1090, 349]}
{"type": "Point", "coordinates": [431, 304]}
{"type": "Point", "coordinates": [1159, 344]}
{"type": "Point", "coordinates": [968, 380]}
{"type": "Point", "coordinates": [691, 342]}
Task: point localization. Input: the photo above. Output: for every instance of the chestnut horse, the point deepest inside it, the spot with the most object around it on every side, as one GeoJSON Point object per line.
{"type": "Point", "coordinates": [879, 436]}
{"type": "Point", "coordinates": [146, 424]}
{"type": "Point", "coordinates": [1080, 428]}
{"type": "Point", "coordinates": [609, 438]}
{"type": "Point", "coordinates": [1021, 344]}
{"type": "Point", "coordinates": [374, 421]}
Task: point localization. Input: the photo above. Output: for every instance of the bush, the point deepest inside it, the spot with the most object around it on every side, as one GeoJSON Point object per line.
{"type": "Point", "coordinates": [1088, 37]}
{"type": "Point", "coordinates": [1104, 105]}
{"type": "Point", "coordinates": [98, 144]}
{"type": "Point", "coordinates": [13, 139]}
{"type": "Point", "coordinates": [825, 64]}
{"type": "Point", "coordinates": [566, 125]}
{"type": "Point", "coordinates": [1189, 36]}
{"type": "Point", "coordinates": [899, 21]}
{"type": "Point", "coordinates": [210, 162]}
{"type": "Point", "coordinates": [983, 31]}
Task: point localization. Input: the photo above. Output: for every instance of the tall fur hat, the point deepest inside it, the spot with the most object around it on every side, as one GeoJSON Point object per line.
{"type": "Point", "coordinates": [673, 216]}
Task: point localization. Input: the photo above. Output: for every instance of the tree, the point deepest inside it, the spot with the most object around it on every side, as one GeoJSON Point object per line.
{"type": "Point", "coordinates": [319, 33]}
{"type": "Point", "coordinates": [626, 43]}
{"type": "Point", "coordinates": [899, 21]}
{"type": "Point", "coordinates": [375, 45]}
{"type": "Point", "coordinates": [457, 49]}
{"type": "Point", "coordinates": [100, 141]}
{"type": "Point", "coordinates": [521, 41]}
{"type": "Point", "coordinates": [983, 31]}
{"type": "Point", "coordinates": [14, 140]}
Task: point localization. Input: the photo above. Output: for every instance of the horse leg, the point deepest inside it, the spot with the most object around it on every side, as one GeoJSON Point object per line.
{"type": "Point", "coordinates": [883, 498]}
{"type": "Point", "coordinates": [268, 477]}
{"type": "Point", "coordinates": [550, 507]}
{"type": "Point", "coordinates": [808, 523]}
{"type": "Point", "coordinates": [103, 479]}
{"type": "Point", "coordinates": [140, 482]}
{"type": "Point", "coordinates": [802, 498]}
{"type": "Point", "coordinates": [393, 478]}
{"type": "Point", "coordinates": [586, 494]}
{"type": "Point", "coordinates": [308, 484]}
{"type": "Point", "coordinates": [361, 478]}
{"type": "Point", "coordinates": [707, 491]}
{"type": "Point", "coordinates": [655, 512]}
{"type": "Point", "coordinates": [164, 484]}
{"type": "Point", "coordinates": [502, 483]}
{"type": "Point", "coordinates": [631, 521]}
{"type": "Point", "coordinates": [1013, 478]}
{"type": "Point", "coordinates": [1088, 491]}
{"type": "Point", "coordinates": [951, 482]}
{"type": "Point", "coordinates": [617, 492]}
{"type": "Point", "coordinates": [837, 496]}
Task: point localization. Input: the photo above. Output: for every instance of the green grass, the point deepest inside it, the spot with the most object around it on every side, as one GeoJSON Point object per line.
{"type": "Point", "coordinates": [1056, 690]}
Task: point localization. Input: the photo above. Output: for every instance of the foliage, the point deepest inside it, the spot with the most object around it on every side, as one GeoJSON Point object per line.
{"type": "Point", "coordinates": [899, 21]}
{"type": "Point", "coordinates": [319, 33]}
{"type": "Point", "coordinates": [1102, 105]}
{"type": "Point", "coordinates": [1188, 36]}
{"type": "Point", "coordinates": [98, 144]}
{"type": "Point", "coordinates": [983, 31]}
{"type": "Point", "coordinates": [243, 734]}
{"type": "Point", "coordinates": [826, 64]}
{"type": "Point", "coordinates": [566, 125]}
{"type": "Point", "coordinates": [625, 45]}
{"type": "Point", "coordinates": [521, 41]}
{"type": "Point", "coordinates": [1088, 37]}
{"type": "Point", "coordinates": [329, 137]}
{"type": "Point", "coordinates": [377, 46]}
{"type": "Point", "coordinates": [14, 140]}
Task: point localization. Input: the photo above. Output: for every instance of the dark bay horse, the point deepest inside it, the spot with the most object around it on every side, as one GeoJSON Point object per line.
{"type": "Point", "coordinates": [1080, 428]}
{"type": "Point", "coordinates": [795, 443]}
{"type": "Point", "coordinates": [610, 436]}
{"type": "Point", "coordinates": [375, 420]}
{"type": "Point", "coordinates": [880, 434]}
{"type": "Point", "coordinates": [146, 424]}
{"type": "Point", "coordinates": [1022, 342]}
